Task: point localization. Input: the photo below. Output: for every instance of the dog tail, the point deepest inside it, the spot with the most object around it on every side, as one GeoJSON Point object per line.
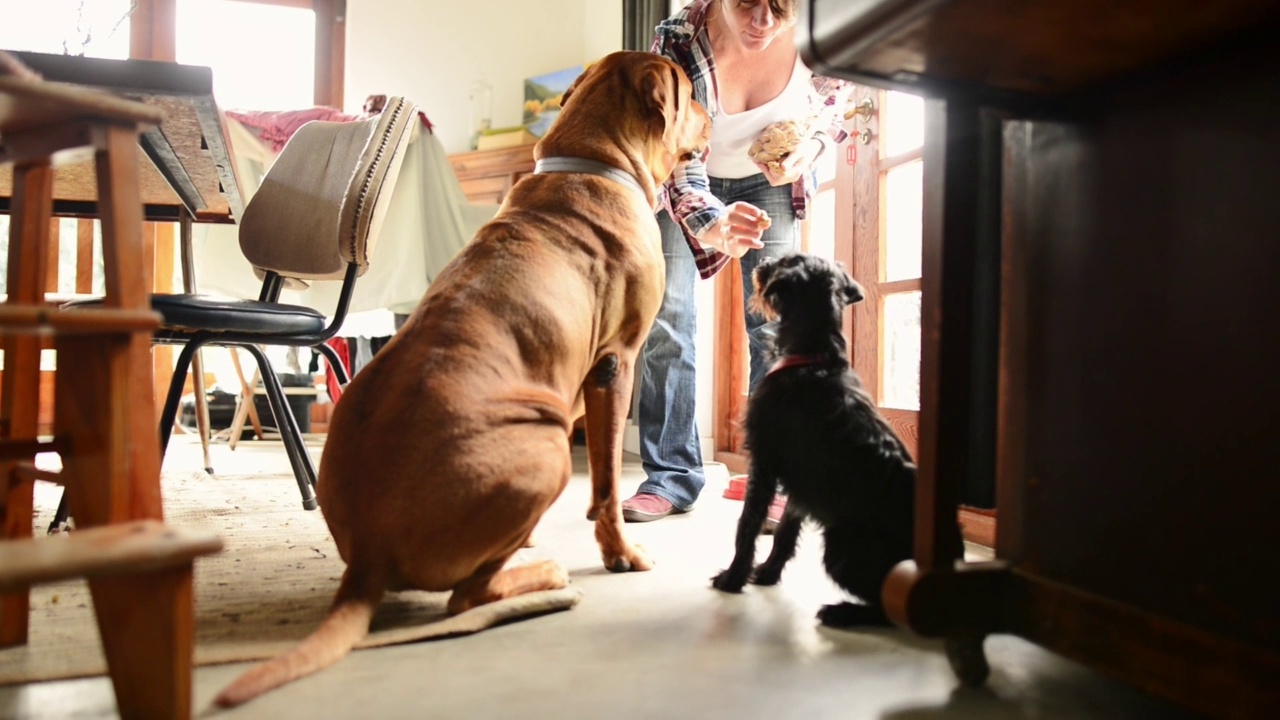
{"type": "Point", "coordinates": [347, 624]}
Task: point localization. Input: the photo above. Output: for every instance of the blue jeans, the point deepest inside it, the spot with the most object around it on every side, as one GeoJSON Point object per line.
{"type": "Point", "coordinates": [669, 448]}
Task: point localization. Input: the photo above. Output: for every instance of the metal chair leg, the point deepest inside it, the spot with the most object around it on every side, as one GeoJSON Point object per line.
{"type": "Point", "coordinates": [303, 469]}
{"type": "Point", "coordinates": [170, 412]}
{"type": "Point", "coordinates": [331, 356]}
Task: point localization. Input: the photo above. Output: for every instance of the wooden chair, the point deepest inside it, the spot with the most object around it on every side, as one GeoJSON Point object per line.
{"type": "Point", "coordinates": [104, 417]}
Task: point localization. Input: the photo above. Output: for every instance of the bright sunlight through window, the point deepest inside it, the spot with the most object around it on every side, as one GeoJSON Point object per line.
{"type": "Point", "coordinates": [93, 28]}
{"type": "Point", "coordinates": [262, 56]}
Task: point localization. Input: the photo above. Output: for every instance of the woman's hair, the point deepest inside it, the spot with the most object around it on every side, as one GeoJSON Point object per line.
{"type": "Point", "coordinates": [782, 9]}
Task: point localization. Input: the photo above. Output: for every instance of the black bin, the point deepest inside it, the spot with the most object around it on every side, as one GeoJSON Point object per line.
{"type": "Point", "coordinates": [299, 403]}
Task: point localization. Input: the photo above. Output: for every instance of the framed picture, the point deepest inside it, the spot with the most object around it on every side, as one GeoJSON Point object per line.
{"type": "Point", "coordinates": [542, 95]}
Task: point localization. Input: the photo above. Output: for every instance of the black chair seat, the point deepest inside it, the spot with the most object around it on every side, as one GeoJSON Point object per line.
{"type": "Point", "coordinates": [222, 314]}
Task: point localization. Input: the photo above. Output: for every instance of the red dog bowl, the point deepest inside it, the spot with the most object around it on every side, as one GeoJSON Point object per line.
{"type": "Point", "coordinates": [737, 487]}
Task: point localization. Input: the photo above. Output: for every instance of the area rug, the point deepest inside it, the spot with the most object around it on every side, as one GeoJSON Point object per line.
{"type": "Point", "coordinates": [269, 588]}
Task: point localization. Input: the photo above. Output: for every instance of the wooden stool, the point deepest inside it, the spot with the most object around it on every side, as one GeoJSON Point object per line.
{"type": "Point", "coordinates": [148, 641]}
{"type": "Point", "coordinates": [104, 414]}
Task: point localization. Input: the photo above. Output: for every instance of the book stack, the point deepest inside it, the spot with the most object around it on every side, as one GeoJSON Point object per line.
{"type": "Point", "coordinates": [499, 138]}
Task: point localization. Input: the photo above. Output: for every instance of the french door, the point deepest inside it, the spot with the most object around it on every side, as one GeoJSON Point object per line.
{"type": "Point", "coordinates": [866, 214]}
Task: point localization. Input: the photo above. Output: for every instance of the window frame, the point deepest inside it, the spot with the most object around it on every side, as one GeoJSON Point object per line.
{"type": "Point", "coordinates": [153, 36]}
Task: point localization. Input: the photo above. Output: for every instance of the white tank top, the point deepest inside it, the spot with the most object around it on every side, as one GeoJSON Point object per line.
{"type": "Point", "coordinates": [733, 133]}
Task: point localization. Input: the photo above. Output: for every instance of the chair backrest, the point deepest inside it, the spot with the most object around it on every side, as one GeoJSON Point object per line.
{"type": "Point", "coordinates": [322, 203]}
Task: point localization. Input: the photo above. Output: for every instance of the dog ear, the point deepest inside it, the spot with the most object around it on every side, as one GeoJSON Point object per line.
{"type": "Point", "coordinates": [846, 287]}
{"type": "Point", "coordinates": [564, 97]}
{"type": "Point", "coordinates": [660, 84]}
{"type": "Point", "coordinates": [851, 291]}
{"type": "Point", "coordinates": [780, 287]}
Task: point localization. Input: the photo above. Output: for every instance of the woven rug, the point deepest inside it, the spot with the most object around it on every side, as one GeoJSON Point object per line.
{"type": "Point", "coordinates": [269, 588]}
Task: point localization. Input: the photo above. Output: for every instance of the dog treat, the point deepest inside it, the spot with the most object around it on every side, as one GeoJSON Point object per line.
{"type": "Point", "coordinates": [777, 141]}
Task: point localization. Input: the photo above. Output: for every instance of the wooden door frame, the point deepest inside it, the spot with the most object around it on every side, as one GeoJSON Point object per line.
{"type": "Point", "coordinates": [729, 392]}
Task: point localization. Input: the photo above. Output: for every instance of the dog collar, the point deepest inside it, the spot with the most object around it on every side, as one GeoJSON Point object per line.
{"type": "Point", "coordinates": [790, 361]}
{"type": "Point", "coordinates": [590, 167]}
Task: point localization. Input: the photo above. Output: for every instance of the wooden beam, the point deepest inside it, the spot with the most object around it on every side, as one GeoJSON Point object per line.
{"type": "Point", "coordinates": [153, 30]}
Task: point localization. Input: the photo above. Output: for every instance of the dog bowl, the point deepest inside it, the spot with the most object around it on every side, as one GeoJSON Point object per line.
{"type": "Point", "coordinates": [737, 487]}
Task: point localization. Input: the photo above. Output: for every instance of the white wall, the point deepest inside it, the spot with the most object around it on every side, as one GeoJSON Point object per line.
{"type": "Point", "coordinates": [431, 51]}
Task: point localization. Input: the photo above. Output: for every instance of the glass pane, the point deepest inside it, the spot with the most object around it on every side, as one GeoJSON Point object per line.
{"type": "Point", "coordinates": [901, 123]}
{"type": "Point", "coordinates": [822, 224]}
{"type": "Point", "coordinates": [903, 210]}
{"type": "Point", "coordinates": [273, 65]}
{"type": "Point", "coordinates": [67, 251]}
{"type": "Point", "coordinates": [67, 27]}
{"type": "Point", "coordinates": [901, 343]}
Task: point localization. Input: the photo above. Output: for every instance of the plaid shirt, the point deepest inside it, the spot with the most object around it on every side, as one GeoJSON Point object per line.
{"type": "Point", "coordinates": [683, 38]}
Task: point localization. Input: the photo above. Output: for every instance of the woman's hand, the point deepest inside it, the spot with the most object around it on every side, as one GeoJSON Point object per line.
{"type": "Point", "coordinates": [795, 164]}
{"type": "Point", "coordinates": [738, 231]}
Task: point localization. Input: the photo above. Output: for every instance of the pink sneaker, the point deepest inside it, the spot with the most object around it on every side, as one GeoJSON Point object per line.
{"type": "Point", "coordinates": [646, 507]}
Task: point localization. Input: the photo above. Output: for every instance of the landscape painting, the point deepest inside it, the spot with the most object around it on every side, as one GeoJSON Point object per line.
{"type": "Point", "coordinates": [542, 97]}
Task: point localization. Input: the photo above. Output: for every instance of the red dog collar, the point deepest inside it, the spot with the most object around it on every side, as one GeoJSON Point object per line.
{"type": "Point", "coordinates": [790, 361]}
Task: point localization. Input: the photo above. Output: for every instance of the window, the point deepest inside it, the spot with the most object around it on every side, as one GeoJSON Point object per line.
{"type": "Point", "coordinates": [273, 66]}
{"type": "Point", "coordinates": [67, 27]}
{"type": "Point", "coordinates": [867, 214]}
{"type": "Point", "coordinates": [888, 187]}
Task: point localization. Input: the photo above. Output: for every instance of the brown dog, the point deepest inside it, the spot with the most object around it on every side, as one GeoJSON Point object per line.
{"type": "Point", "coordinates": [447, 449]}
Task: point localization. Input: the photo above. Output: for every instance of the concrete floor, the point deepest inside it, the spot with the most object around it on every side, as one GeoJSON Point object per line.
{"type": "Point", "coordinates": [660, 644]}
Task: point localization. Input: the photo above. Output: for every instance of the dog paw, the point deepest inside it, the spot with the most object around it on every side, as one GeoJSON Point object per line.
{"type": "Point", "coordinates": [558, 576]}
{"type": "Point", "coordinates": [728, 581]}
{"type": "Point", "coordinates": [766, 575]}
{"type": "Point", "coordinates": [847, 614]}
{"type": "Point", "coordinates": [633, 559]}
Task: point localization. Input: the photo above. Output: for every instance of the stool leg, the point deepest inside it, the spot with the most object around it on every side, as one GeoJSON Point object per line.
{"type": "Point", "coordinates": [147, 625]}
{"type": "Point", "coordinates": [32, 209]}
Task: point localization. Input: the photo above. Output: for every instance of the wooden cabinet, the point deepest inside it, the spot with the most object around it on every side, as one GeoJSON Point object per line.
{"type": "Point", "coordinates": [487, 175]}
{"type": "Point", "coordinates": [1124, 252]}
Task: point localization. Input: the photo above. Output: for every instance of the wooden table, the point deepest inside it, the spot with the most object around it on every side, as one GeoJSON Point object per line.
{"type": "Point", "coordinates": [140, 574]}
{"type": "Point", "coordinates": [1100, 235]}
{"type": "Point", "coordinates": [186, 171]}
{"type": "Point", "coordinates": [185, 163]}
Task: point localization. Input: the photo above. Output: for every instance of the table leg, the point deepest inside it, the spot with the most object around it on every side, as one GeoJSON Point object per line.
{"type": "Point", "coordinates": [32, 206]}
{"type": "Point", "coordinates": [147, 624]}
{"type": "Point", "coordinates": [197, 361]}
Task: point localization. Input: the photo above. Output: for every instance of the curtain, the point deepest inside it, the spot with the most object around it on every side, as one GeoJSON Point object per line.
{"type": "Point", "coordinates": [639, 18]}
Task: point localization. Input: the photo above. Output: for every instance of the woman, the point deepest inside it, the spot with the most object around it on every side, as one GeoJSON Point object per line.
{"type": "Point", "coordinates": [742, 60]}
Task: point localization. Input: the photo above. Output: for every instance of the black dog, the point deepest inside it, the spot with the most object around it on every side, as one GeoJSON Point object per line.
{"type": "Point", "coordinates": [812, 429]}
